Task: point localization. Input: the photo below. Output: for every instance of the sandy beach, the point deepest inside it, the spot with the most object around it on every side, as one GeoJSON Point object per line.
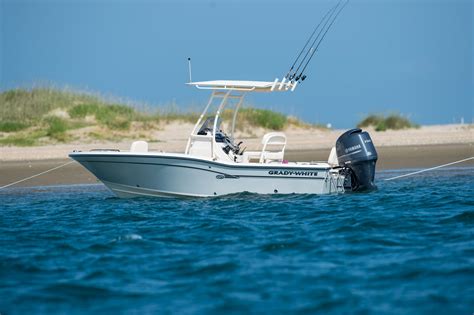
{"type": "Point", "coordinates": [401, 149]}
{"type": "Point", "coordinates": [172, 138]}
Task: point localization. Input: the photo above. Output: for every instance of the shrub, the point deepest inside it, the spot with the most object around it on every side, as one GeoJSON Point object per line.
{"type": "Point", "coordinates": [264, 118]}
{"type": "Point", "coordinates": [20, 141]}
{"type": "Point", "coordinates": [115, 116]}
{"type": "Point", "coordinates": [371, 120]}
{"type": "Point", "coordinates": [120, 123]}
{"type": "Point", "coordinates": [12, 126]}
{"type": "Point", "coordinates": [398, 122]}
{"type": "Point", "coordinates": [382, 123]}
{"type": "Point", "coordinates": [83, 110]}
{"type": "Point", "coordinates": [112, 116]}
{"type": "Point", "coordinates": [57, 128]}
{"type": "Point", "coordinates": [23, 139]}
{"type": "Point", "coordinates": [381, 126]}
{"type": "Point", "coordinates": [31, 105]}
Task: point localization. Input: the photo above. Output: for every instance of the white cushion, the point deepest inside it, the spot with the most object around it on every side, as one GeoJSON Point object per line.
{"type": "Point", "coordinates": [139, 146]}
{"type": "Point", "coordinates": [251, 155]}
{"type": "Point", "coordinates": [332, 160]}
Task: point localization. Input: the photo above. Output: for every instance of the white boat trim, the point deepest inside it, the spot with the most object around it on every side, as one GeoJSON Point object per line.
{"type": "Point", "coordinates": [246, 86]}
{"type": "Point", "coordinates": [323, 166]}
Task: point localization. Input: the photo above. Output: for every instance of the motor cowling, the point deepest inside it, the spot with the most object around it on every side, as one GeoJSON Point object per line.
{"type": "Point", "coordinates": [356, 154]}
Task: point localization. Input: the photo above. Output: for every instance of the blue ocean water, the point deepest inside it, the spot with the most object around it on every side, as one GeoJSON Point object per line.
{"type": "Point", "coordinates": [407, 248]}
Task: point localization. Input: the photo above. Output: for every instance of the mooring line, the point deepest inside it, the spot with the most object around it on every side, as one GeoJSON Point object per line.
{"type": "Point", "coordinates": [36, 175]}
{"type": "Point", "coordinates": [430, 169]}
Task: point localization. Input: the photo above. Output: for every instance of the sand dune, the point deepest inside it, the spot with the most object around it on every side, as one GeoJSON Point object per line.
{"type": "Point", "coordinates": [173, 137]}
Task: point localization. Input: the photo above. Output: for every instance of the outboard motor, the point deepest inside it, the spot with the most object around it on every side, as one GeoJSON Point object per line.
{"type": "Point", "coordinates": [356, 153]}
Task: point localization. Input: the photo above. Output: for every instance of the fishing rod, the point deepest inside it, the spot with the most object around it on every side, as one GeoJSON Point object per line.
{"type": "Point", "coordinates": [301, 75]}
{"type": "Point", "coordinates": [326, 21]}
{"type": "Point", "coordinates": [289, 74]}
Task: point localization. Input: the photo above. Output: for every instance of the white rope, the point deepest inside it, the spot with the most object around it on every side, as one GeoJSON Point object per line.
{"type": "Point", "coordinates": [430, 169]}
{"type": "Point", "coordinates": [36, 175]}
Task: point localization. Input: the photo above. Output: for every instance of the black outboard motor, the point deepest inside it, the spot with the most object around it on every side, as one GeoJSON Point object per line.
{"type": "Point", "coordinates": [356, 154]}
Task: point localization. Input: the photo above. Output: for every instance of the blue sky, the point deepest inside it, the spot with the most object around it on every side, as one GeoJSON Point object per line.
{"type": "Point", "coordinates": [412, 57]}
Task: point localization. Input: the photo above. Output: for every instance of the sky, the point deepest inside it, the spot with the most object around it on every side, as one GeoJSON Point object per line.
{"type": "Point", "coordinates": [414, 57]}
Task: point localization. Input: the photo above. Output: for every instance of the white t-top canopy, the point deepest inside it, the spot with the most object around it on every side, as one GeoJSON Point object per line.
{"type": "Point", "coordinates": [257, 86]}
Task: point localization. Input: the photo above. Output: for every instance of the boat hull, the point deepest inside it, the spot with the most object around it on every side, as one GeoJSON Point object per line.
{"type": "Point", "coordinates": [130, 175]}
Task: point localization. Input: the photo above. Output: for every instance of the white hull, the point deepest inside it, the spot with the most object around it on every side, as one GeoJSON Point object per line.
{"type": "Point", "coordinates": [160, 174]}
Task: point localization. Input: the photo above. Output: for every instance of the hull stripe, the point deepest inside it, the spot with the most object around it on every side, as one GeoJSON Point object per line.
{"type": "Point", "coordinates": [237, 166]}
{"type": "Point", "coordinates": [228, 176]}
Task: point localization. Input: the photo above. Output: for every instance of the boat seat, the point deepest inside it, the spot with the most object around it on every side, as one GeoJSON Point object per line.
{"type": "Point", "coordinates": [201, 145]}
{"type": "Point", "coordinates": [275, 140]}
{"type": "Point", "coordinates": [139, 146]}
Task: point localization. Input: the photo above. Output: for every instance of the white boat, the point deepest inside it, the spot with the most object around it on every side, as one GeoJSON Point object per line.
{"type": "Point", "coordinates": [213, 164]}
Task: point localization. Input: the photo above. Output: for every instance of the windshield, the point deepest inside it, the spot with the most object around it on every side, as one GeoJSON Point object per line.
{"type": "Point", "coordinates": [207, 126]}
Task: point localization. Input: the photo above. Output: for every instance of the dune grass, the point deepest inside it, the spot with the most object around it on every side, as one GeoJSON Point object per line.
{"type": "Point", "coordinates": [31, 116]}
{"type": "Point", "coordinates": [57, 128]}
{"type": "Point", "coordinates": [19, 140]}
{"type": "Point", "coordinates": [27, 106]}
{"type": "Point", "coordinates": [12, 126]}
{"type": "Point", "coordinates": [382, 122]}
{"type": "Point", "coordinates": [113, 116]}
{"type": "Point", "coordinates": [263, 118]}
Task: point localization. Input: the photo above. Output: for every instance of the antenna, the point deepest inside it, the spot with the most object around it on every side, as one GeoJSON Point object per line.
{"type": "Point", "coordinates": [189, 68]}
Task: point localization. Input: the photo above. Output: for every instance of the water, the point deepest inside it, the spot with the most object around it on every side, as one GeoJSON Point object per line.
{"type": "Point", "coordinates": [407, 248]}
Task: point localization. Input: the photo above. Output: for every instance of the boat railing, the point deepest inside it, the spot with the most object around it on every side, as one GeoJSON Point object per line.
{"type": "Point", "coordinates": [226, 90]}
{"type": "Point", "coordinates": [224, 98]}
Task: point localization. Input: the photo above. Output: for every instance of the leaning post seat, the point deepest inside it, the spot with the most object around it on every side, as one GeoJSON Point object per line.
{"type": "Point", "coordinates": [275, 140]}
{"type": "Point", "coordinates": [272, 139]}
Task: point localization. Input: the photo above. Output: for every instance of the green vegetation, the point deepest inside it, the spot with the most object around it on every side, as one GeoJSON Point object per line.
{"type": "Point", "coordinates": [263, 118]}
{"type": "Point", "coordinates": [382, 123]}
{"type": "Point", "coordinates": [83, 110]}
{"type": "Point", "coordinates": [57, 128]}
{"type": "Point", "coordinates": [23, 139]}
{"type": "Point", "coordinates": [28, 106]}
{"type": "Point", "coordinates": [48, 115]}
{"type": "Point", "coordinates": [18, 140]}
{"type": "Point", "coordinates": [12, 126]}
{"type": "Point", "coordinates": [113, 116]}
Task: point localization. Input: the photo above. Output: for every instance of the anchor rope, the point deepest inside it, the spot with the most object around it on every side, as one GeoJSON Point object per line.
{"type": "Point", "coordinates": [431, 168]}
{"type": "Point", "coordinates": [36, 175]}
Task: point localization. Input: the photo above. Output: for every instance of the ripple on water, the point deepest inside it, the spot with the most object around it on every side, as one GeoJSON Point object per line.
{"type": "Point", "coordinates": [406, 248]}
{"type": "Point", "coordinates": [128, 237]}
{"type": "Point", "coordinates": [466, 217]}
